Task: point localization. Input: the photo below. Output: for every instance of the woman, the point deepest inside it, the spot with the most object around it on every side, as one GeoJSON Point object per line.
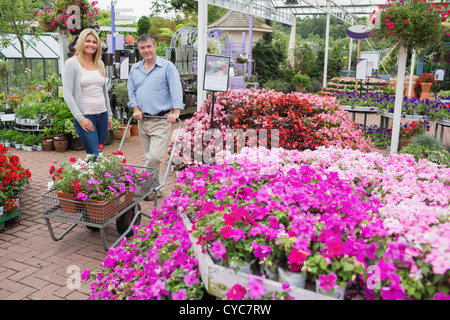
{"type": "Point", "coordinates": [85, 92]}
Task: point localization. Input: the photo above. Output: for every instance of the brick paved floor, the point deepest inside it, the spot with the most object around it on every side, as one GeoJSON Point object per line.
{"type": "Point", "coordinates": [32, 265]}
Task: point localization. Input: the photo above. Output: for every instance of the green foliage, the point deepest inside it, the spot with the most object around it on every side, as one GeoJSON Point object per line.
{"type": "Point", "coordinates": [16, 19]}
{"type": "Point", "coordinates": [301, 80]}
{"type": "Point", "coordinates": [430, 148]}
{"type": "Point", "coordinates": [308, 26]}
{"type": "Point", "coordinates": [268, 57]}
{"type": "Point", "coordinates": [143, 25]}
{"type": "Point", "coordinates": [121, 92]}
{"type": "Point", "coordinates": [410, 23]}
{"type": "Point", "coordinates": [6, 70]}
{"type": "Point", "coordinates": [69, 128]}
{"type": "Point", "coordinates": [60, 119]}
{"type": "Point", "coordinates": [279, 85]}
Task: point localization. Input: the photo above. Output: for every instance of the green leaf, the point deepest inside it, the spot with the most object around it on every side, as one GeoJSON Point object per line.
{"type": "Point", "coordinates": [323, 264]}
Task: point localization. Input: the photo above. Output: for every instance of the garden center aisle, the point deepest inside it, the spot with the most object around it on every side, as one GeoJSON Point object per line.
{"type": "Point", "coordinates": [32, 265]}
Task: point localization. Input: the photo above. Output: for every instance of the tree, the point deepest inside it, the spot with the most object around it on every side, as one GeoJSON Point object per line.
{"type": "Point", "coordinates": [6, 70]}
{"type": "Point", "coordinates": [16, 19]}
{"type": "Point", "coordinates": [268, 56]}
{"type": "Point", "coordinates": [143, 25]}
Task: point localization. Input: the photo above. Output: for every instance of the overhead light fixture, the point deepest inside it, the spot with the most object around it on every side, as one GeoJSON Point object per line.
{"type": "Point", "coordinates": [291, 2]}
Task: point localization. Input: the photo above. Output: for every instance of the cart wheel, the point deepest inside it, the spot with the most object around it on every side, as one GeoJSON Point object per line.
{"type": "Point", "coordinates": [124, 221]}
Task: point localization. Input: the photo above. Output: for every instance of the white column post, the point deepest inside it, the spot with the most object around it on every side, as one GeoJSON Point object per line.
{"type": "Point", "coordinates": [411, 73]}
{"type": "Point", "coordinates": [325, 63]}
{"type": "Point", "coordinates": [291, 56]}
{"type": "Point", "coordinates": [202, 40]}
{"type": "Point", "coordinates": [350, 54]}
{"type": "Point", "coordinates": [398, 98]}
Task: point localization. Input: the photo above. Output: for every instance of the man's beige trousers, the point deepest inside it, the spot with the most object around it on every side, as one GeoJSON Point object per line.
{"type": "Point", "coordinates": [154, 134]}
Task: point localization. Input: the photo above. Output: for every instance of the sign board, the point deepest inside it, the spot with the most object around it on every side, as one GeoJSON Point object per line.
{"type": "Point", "coordinates": [216, 73]}
{"type": "Point", "coordinates": [369, 68]}
{"type": "Point", "coordinates": [373, 57]}
{"type": "Point", "coordinates": [361, 69]}
{"type": "Point", "coordinates": [357, 32]}
{"type": "Point", "coordinates": [439, 75]}
{"type": "Point", "coordinates": [119, 42]}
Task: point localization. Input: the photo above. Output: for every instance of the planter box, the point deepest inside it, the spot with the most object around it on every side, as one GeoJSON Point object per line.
{"type": "Point", "coordinates": [218, 279]}
{"type": "Point", "coordinates": [5, 216]}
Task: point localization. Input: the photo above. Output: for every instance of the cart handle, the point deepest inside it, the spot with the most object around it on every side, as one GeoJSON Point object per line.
{"type": "Point", "coordinates": [173, 148]}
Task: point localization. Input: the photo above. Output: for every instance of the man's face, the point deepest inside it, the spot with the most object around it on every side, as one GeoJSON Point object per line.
{"type": "Point", "coordinates": [147, 50]}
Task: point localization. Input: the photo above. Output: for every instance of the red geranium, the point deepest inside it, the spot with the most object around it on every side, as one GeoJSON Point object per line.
{"type": "Point", "coordinates": [13, 176]}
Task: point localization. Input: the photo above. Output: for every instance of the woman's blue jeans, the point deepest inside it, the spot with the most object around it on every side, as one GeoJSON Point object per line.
{"type": "Point", "coordinates": [91, 139]}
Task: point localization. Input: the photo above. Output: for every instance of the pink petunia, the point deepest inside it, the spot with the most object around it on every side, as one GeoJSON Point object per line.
{"type": "Point", "coordinates": [327, 282]}
{"type": "Point", "coordinates": [237, 292]}
{"type": "Point", "coordinates": [255, 287]}
{"type": "Point", "coordinates": [218, 249]}
{"type": "Point", "coordinates": [261, 251]}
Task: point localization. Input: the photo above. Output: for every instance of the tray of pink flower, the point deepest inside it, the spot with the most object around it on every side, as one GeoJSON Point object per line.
{"type": "Point", "coordinates": [96, 192]}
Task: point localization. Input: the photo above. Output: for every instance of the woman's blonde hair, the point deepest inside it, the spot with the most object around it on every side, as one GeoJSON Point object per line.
{"type": "Point", "coordinates": [97, 56]}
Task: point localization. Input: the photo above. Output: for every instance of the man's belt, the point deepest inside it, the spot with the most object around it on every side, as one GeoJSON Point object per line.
{"type": "Point", "coordinates": [159, 114]}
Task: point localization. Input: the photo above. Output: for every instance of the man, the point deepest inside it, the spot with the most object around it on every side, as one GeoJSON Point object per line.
{"type": "Point", "coordinates": [154, 88]}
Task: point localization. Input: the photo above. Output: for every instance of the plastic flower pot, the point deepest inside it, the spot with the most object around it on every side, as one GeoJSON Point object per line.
{"type": "Point", "coordinates": [296, 279]}
{"type": "Point", "coordinates": [338, 291]}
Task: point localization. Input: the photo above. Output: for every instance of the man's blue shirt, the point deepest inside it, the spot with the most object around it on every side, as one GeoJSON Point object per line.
{"type": "Point", "coordinates": [158, 90]}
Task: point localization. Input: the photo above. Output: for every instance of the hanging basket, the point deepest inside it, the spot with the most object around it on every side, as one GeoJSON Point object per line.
{"type": "Point", "coordinates": [46, 26]}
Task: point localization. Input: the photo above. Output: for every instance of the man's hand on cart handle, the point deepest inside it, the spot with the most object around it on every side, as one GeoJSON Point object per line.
{"type": "Point", "coordinates": [137, 113]}
{"type": "Point", "coordinates": [173, 116]}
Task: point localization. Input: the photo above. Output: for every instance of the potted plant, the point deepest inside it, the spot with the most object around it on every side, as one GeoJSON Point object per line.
{"type": "Point", "coordinates": [58, 16]}
{"type": "Point", "coordinates": [74, 139]}
{"type": "Point", "coordinates": [121, 94]}
{"type": "Point", "coordinates": [408, 131]}
{"type": "Point", "coordinates": [47, 138]}
{"type": "Point", "coordinates": [332, 274]}
{"type": "Point", "coordinates": [46, 19]}
{"type": "Point", "coordinates": [28, 142]}
{"type": "Point", "coordinates": [14, 177]}
{"type": "Point", "coordinates": [301, 81]}
{"type": "Point", "coordinates": [426, 84]}
{"type": "Point", "coordinates": [98, 183]}
{"type": "Point", "coordinates": [242, 58]}
{"type": "Point", "coordinates": [412, 24]}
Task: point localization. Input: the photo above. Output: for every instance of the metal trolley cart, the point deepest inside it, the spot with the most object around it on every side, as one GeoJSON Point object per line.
{"type": "Point", "coordinates": [124, 209]}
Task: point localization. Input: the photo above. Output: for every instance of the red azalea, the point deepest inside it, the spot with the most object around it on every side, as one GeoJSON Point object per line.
{"type": "Point", "coordinates": [72, 159]}
{"type": "Point", "coordinates": [100, 147]}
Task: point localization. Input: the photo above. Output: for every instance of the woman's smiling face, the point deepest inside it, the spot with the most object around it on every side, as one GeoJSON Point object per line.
{"type": "Point", "coordinates": [90, 45]}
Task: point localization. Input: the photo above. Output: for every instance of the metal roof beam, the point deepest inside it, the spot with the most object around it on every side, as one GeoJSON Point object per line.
{"type": "Point", "coordinates": [336, 10]}
{"type": "Point", "coordinates": [255, 9]}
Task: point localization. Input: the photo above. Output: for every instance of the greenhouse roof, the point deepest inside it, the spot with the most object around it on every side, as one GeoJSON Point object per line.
{"type": "Point", "coordinates": [284, 10]}
{"type": "Point", "coordinates": [36, 47]}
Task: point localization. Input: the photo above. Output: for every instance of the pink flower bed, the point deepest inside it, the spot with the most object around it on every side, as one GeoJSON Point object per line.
{"type": "Point", "coordinates": [390, 214]}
